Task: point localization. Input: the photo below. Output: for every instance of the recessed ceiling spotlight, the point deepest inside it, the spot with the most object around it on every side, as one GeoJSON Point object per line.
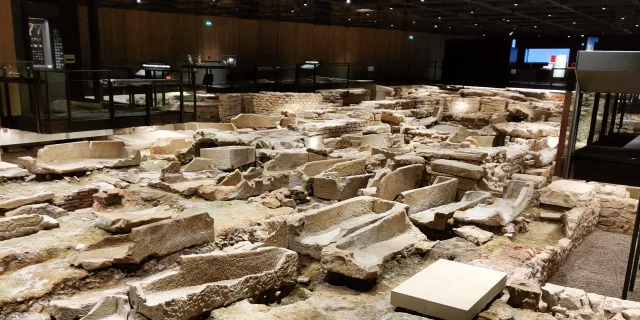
{"type": "Point", "coordinates": [367, 14]}
{"type": "Point", "coordinates": [636, 25]}
{"type": "Point", "coordinates": [414, 22]}
{"type": "Point", "coordinates": [435, 26]}
{"type": "Point", "coordinates": [449, 27]}
{"type": "Point", "coordinates": [582, 36]}
{"type": "Point", "coordinates": [484, 35]}
{"type": "Point", "coordinates": [583, 44]}
{"type": "Point", "coordinates": [508, 20]}
{"type": "Point", "coordinates": [511, 33]}
{"type": "Point", "coordinates": [439, 18]}
{"type": "Point", "coordinates": [390, 8]}
{"type": "Point", "coordinates": [568, 36]}
{"type": "Point", "coordinates": [549, 15]}
{"type": "Point", "coordinates": [622, 18]}
{"type": "Point", "coordinates": [471, 11]}
{"type": "Point", "coordinates": [515, 3]}
{"type": "Point", "coordinates": [476, 24]}
{"type": "Point", "coordinates": [348, 1]}
{"type": "Point", "coordinates": [138, 1]}
{"type": "Point", "coordinates": [604, 8]}
{"type": "Point", "coordinates": [574, 22]}
{"type": "Point", "coordinates": [349, 19]}
{"type": "Point", "coordinates": [392, 25]}
{"type": "Point", "coordinates": [292, 10]}
{"type": "Point", "coordinates": [535, 27]}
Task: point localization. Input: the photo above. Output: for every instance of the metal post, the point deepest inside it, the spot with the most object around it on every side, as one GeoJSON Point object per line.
{"type": "Point", "coordinates": [195, 104]}
{"type": "Point", "coordinates": [313, 89]}
{"type": "Point", "coordinates": [66, 87]}
{"type": "Point", "coordinates": [348, 75]}
{"type": "Point", "coordinates": [7, 99]}
{"type": "Point", "coordinates": [575, 117]}
{"type": "Point", "coordinates": [182, 99]}
{"type": "Point", "coordinates": [623, 106]}
{"type": "Point", "coordinates": [148, 95]}
{"type": "Point", "coordinates": [632, 255]}
{"type": "Point", "coordinates": [605, 116]}
{"type": "Point", "coordinates": [613, 113]}
{"type": "Point", "coordinates": [112, 111]}
{"type": "Point", "coordinates": [594, 118]}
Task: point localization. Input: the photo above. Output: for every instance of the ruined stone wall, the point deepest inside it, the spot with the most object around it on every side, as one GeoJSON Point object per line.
{"type": "Point", "coordinates": [276, 102]}
{"type": "Point", "coordinates": [230, 106]}
{"type": "Point", "coordinates": [548, 262]}
{"type": "Point", "coordinates": [78, 199]}
{"type": "Point", "coordinates": [618, 210]}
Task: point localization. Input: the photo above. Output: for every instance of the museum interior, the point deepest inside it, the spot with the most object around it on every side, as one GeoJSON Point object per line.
{"type": "Point", "coordinates": [319, 159]}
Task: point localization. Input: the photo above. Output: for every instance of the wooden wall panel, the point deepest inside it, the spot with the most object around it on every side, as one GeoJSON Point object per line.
{"type": "Point", "coordinates": [185, 36]}
{"type": "Point", "coordinates": [137, 36]}
{"type": "Point", "coordinates": [322, 42]}
{"type": "Point", "coordinates": [382, 41]}
{"type": "Point", "coordinates": [395, 45]}
{"type": "Point", "coordinates": [113, 39]}
{"type": "Point", "coordinates": [227, 28]}
{"type": "Point", "coordinates": [248, 36]}
{"type": "Point", "coordinates": [338, 46]}
{"type": "Point", "coordinates": [85, 39]}
{"type": "Point", "coordinates": [268, 42]}
{"type": "Point", "coordinates": [287, 36]}
{"type": "Point", "coordinates": [353, 50]}
{"type": "Point", "coordinates": [8, 50]}
{"type": "Point", "coordinates": [208, 39]}
{"type": "Point", "coordinates": [368, 46]}
{"type": "Point", "coordinates": [161, 37]}
{"type": "Point", "coordinates": [304, 42]}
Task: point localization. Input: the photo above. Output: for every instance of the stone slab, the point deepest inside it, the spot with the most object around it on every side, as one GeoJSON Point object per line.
{"type": "Point", "coordinates": [457, 168]}
{"type": "Point", "coordinates": [230, 157]}
{"type": "Point", "coordinates": [449, 290]}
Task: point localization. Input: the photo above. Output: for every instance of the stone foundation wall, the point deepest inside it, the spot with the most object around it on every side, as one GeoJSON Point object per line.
{"type": "Point", "coordinates": [276, 102]}
{"type": "Point", "coordinates": [549, 261]}
{"type": "Point", "coordinates": [618, 208]}
{"type": "Point", "coordinates": [230, 106]}
{"type": "Point", "coordinates": [78, 199]}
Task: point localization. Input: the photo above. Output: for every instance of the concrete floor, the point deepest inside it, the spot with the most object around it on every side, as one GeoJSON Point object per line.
{"type": "Point", "coordinates": [598, 265]}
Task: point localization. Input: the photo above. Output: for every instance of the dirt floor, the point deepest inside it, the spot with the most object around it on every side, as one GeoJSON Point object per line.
{"type": "Point", "coordinates": [598, 265]}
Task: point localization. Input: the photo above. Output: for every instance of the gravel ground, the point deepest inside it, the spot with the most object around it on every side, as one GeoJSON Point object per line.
{"type": "Point", "coordinates": [599, 265]}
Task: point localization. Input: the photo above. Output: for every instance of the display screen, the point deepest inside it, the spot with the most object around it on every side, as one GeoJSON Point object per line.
{"type": "Point", "coordinates": [544, 55]}
{"type": "Point", "coordinates": [58, 50]}
{"type": "Point", "coordinates": [36, 39]}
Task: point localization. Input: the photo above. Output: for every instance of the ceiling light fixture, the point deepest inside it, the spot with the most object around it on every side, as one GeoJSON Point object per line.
{"type": "Point", "coordinates": [622, 18]}
{"type": "Point", "coordinates": [471, 11]}
{"type": "Point", "coordinates": [435, 26]}
{"type": "Point", "coordinates": [568, 36]}
{"type": "Point", "coordinates": [439, 18]}
{"type": "Point", "coordinates": [515, 3]}
{"type": "Point", "coordinates": [511, 33]}
{"type": "Point", "coordinates": [574, 22]}
{"type": "Point", "coordinates": [390, 8]}
{"type": "Point", "coordinates": [535, 27]}
{"type": "Point", "coordinates": [348, 1]}
{"type": "Point", "coordinates": [549, 15]}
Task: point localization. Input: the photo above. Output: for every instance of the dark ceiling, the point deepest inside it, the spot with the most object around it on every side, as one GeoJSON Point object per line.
{"type": "Point", "coordinates": [472, 17]}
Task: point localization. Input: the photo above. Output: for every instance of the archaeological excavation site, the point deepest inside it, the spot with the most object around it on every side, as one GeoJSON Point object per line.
{"type": "Point", "coordinates": [319, 160]}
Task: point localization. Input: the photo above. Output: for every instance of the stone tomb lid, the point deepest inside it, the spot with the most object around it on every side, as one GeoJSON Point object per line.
{"type": "Point", "coordinates": [449, 290]}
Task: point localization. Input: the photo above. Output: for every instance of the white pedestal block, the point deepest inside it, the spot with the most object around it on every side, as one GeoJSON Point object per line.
{"type": "Point", "coordinates": [449, 290]}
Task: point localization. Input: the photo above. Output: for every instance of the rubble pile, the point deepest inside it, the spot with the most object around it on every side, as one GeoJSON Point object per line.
{"type": "Point", "coordinates": [295, 207]}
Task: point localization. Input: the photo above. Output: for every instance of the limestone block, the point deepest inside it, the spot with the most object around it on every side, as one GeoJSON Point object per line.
{"type": "Point", "coordinates": [571, 298]}
{"type": "Point", "coordinates": [466, 93]}
{"type": "Point", "coordinates": [436, 218]}
{"type": "Point", "coordinates": [441, 192]}
{"type": "Point", "coordinates": [198, 164]}
{"type": "Point", "coordinates": [407, 159]}
{"type": "Point", "coordinates": [169, 146]}
{"type": "Point", "coordinates": [155, 239]}
{"type": "Point", "coordinates": [381, 140]}
{"type": "Point", "coordinates": [328, 225]}
{"type": "Point", "coordinates": [524, 294]}
{"type": "Point", "coordinates": [24, 225]}
{"type": "Point", "coordinates": [473, 234]}
{"type": "Point", "coordinates": [567, 193]}
{"type": "Point", "coordinates": [194, 289]}
{"type": "Point", "coordinates": [314, 168]}
{"type": "Point", "coordinates": [64, 152]}
{"type": "Point", "coordinates": [286, 161]}
{"type": "Point", "coordinates": [256, 121]}
{"type": "Point", "coordinates": [37, 280]}
{"type": "Point", "coordinates": [361, 254]}
{"type": "Point", "coordinates": [231, 157]}
{"type": "Point", "coordinates": [12, 171]}
{"type": "Point", "coordinates": [551, 294]}
{"type": "Point", "coordinates": [457, 168]}
{"type": "Point", "coordinates": [123, 222]}
{"type": "Point", "coordinates": [339, 188]}
{"type": "Point", "coordinates": [528, 130]}
{"type": "Point", "coordinates": [538, 181]}
{"type": "Point", "coordinates": [107, 150]}
{"type": "Point", "coordinates": [40, 209]}
{"type": "Point", "coordinates": [464, 290]}
{"type": "Point", "coordinates": [245, 189]}
{"type": "Point", "coordinates": [502, 211]}
{"type": "Point", "coordinates": [16, 202]}
{"type": "Point", "coordinates": [79, 305]}
{"type": "Point", "coordinates": [400, 180]}
{"type": "Point", "coordinates": [493, 105]}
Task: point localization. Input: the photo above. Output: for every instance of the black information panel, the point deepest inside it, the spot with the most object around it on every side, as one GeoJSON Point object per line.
{"type": "Point", "coordinates": [58, 50]}
{"type": "Point", "coordinates": [36, 36]}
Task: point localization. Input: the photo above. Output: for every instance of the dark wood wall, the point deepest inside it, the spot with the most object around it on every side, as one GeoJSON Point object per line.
{"type": "Point", "coordinates": [128, 37]}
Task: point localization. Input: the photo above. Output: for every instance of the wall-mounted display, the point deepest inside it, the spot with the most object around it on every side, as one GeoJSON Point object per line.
{"type": "Point", "coordinates": [40, 43]}
{"type": "Point", "coordinates": [58, 50]}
